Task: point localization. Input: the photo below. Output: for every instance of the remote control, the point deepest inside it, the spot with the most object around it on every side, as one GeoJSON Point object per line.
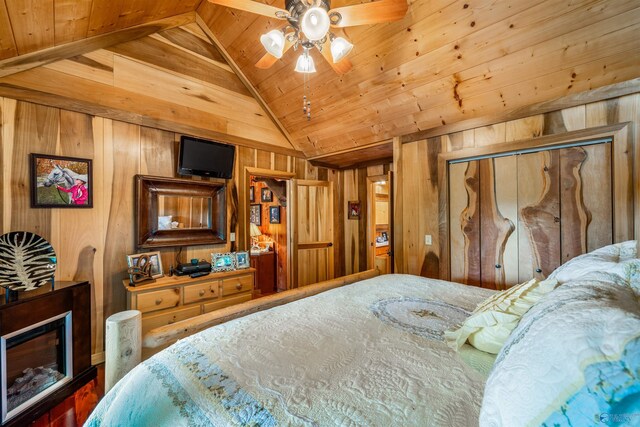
{"type": "Point", "coordinates": [199, 274]}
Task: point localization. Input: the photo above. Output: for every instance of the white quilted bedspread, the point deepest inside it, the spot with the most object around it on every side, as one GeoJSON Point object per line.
{"type": "Point", "coordinates": [367, 354]}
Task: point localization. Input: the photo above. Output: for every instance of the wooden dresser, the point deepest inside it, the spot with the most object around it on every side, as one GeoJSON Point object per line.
{"type": "Point", "coordinates": [265, 265]}
{"type": "Point", "coordinates": [170, 299]}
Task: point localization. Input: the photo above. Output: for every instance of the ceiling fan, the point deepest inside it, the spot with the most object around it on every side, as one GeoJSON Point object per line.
{"type": "Point", "coordinates": [309, 25]}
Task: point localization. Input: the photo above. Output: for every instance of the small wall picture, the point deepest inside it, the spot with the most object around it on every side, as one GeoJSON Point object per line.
{"type": "Point", "coordinates": [153, 258]}
{"type": "Point", "coordinates": [242, 260]}
{"type": "Point", "coordinates": [60, 182]}
{"type": "Point", "coordinates": [353, 209]}
{"type": "Point", "coordinates": [223, 262]}
{"type": "Point", "coordinates": [255, 214]}
{"type": "Point", "coordinates": [266, 195]}
{"type": "Point", "coordinates": [252, 194]}
{"type": "Point", "coordinates": [274, 215]}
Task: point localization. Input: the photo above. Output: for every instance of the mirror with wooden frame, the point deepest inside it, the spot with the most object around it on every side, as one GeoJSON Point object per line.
{"type": "Point", "coordinates": [179, 212]}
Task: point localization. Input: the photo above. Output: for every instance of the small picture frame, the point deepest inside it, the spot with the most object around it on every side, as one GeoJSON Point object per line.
{"type": "Point", "coordinates": [266, 195]}
{"type": "Point", "coordinates": [60, 182]}
{"type": "Point", "coordinates": [274, 215]}
{"type": "Point", "coordinates": [154, 259]}
{"type": "Point", "coordinates": [353, 209]}
{"type": "Point", "coordinates": [223, 262]}
{"type": "Point", "coordinates": [252, 194]}
{"type": "Point", "coordinates": [385, 236]}
{"type": "Point", "coordinates": [242, 260]}
{"type": "Point", "coordinates": [255, 214]}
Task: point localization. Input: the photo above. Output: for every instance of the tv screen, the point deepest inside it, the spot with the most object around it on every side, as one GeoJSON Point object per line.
{"type": "Point", "coordinates": [205, 158]}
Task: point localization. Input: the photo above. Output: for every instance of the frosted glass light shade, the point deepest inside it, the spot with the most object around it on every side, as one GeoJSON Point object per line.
{"type": "Point", "coordinates": [273, 42]}
{"type": "Point", "coordinates": [340, 47]}
{"type": "Point", "coordinates": [315, 23]}
{"type": "Point", "coordinates": [254, 231]}
{"type": "Point", "coordinates": [305, 64]}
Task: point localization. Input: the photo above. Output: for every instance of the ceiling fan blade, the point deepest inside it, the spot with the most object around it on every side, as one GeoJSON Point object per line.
{"type": "Point", "coordinates": [268, 60]}
{"type": "Point", "coordinates": [342, 67]}
{"type": "Point", "coordinates": [253, 7]}
{"type": "Point", "coordinates": [371, 13]}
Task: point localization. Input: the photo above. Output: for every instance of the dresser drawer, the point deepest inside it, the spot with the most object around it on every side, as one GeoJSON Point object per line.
{"type": "Point", "coordinates": [226, 302]}
{"type": "Point", "coordinates": [236, 285]}
{"type": "Point", "coordinates": [158, 300]}
{"type": "Point", "coordinates": [153, 321]}
{"type": "Point", "coordinates": [201, 292]}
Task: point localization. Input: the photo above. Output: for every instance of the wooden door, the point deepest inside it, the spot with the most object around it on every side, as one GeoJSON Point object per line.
{"type": "Point", "coordinates": [380, 223]}
{"type": "Point", "coordinates": [312, 236]}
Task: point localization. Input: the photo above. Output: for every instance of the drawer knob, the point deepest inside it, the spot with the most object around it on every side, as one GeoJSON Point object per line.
{"type": "Point", "coordinates": [238, 286]}
{"type": "Point", "coordinates": [159, 301]}
{"type": "Point", "coordinates": [201, 292]}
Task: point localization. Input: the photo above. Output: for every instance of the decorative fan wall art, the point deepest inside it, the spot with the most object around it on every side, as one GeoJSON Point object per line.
{"type": "Point", "coordinates": [27, 261]}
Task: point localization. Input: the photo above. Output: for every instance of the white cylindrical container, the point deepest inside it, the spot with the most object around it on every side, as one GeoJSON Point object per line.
{"type": "Point", "coordinates": [123, 345]}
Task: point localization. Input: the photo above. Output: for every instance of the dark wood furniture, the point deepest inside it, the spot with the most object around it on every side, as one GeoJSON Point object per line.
{"type": "Point", "coordinates": [148, 191]}
{"type": "Point", "coordinates": [265, 265]}
{"type": "Point", "coordinates": [42, 304]}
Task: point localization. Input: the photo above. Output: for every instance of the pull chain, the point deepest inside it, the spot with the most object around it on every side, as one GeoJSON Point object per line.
{"type": "Point", "coordinates": [306, 104]}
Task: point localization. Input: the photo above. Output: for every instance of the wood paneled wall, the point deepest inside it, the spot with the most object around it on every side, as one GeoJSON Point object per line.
{"type": "Point", "coordinates": [92, 244]}
{"type": "Point", "coordinates": [416, 189]}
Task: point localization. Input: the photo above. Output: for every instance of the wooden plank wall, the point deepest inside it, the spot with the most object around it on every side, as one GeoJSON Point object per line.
{"type": "Point", "coordinates": [416, 171]}
{"type": "Point", "coordinates": [92, 244]}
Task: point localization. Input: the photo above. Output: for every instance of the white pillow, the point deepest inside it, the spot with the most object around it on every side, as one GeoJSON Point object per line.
{"type": "Point", "coordinates": [492, 321]}
{"type": "Point", "coordinates": [573, 357]}
{"type": "Point", "coordinates": [611, 258]}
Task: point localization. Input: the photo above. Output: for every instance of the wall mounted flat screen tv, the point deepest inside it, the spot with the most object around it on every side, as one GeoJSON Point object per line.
{"type": "Point", "coordinates": [205, 158]}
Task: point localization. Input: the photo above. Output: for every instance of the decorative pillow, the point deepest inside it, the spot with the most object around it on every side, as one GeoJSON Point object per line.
{"type": "Point", "coordinates": [610, 258]}
{"type": "Point", "coordinates": [492, 321]}
{"type": "Point", "coordinates": [572, 359]}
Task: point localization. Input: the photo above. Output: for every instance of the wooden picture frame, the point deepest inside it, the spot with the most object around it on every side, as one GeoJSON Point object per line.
{"type": "Point", "coordinates": [60, 182]}
{"type": "Point", "coordinates": [151, 189]}
{"type": "Point", "coordinates": [266, 195]}
{"type": "Point", "coordinates": [242, 260]}
{"type": "Point", "coordinates": [354, 209]}
{"type": "Point", "coordinates": [255, 214]}
{"type": "Point", "coordinates": [223, 262]}
{"type": "Point", "coordinates": [274, 215]}
{"type": "Point", "coordinates": [252, 194]}
{"type": "Point", "coordinates": [154, 259]}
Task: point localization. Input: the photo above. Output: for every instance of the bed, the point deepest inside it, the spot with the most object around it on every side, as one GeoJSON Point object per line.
{"type": "Point", "coordinates": [373, 353]}
{"type": "Point", "coordinates": [370, 353]}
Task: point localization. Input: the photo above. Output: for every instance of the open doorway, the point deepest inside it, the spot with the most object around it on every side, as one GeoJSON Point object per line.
{"type": "Point", "coordinates": [379, 223]}
{"type": "Point", "coordinates": [269, 233]}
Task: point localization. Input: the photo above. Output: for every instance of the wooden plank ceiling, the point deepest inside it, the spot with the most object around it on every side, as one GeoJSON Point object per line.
{"type": "Point", "coordinates": [447, 61]}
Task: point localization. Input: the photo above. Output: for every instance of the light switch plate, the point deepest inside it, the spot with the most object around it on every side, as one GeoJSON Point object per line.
{"type": "Point", "coordinates": [427, 240]}
{"type": "Point", "coordinates": [232, 237]}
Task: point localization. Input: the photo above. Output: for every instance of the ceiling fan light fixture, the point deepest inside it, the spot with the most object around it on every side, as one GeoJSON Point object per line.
{"type": "Point", "coordinates": [273, 42]}
{"type": "Point", "coordinates": [305, 63]}
{"type": "Point", "coordinates": [340, 47]}
{"type": "Point", "coordinates": [315, 23]}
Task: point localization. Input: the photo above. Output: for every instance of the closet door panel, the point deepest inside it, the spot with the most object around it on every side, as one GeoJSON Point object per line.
{"type": "Point", "coordinates": [506, 189]}
{"type": "Point", "coordinates": [597, 193]}
{"type": "Point", "coordinates": [495, 229]}
{"type": "Point", "coordinates": [464, 220]}
{"type": "Point", "coordinates": [585, 199]}
{"type": "Point", "coordinates": [538, 214]}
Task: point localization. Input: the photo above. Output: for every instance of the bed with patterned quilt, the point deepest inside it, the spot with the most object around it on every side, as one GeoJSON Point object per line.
{"type": "Point", "coordinates": [374, 353]}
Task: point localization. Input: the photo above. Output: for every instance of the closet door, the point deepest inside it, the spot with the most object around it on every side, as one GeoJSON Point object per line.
{"type": "Point", "coordinates": [520, 216]}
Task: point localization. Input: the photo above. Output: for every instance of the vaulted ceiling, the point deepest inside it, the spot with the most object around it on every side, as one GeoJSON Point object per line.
{"type": "Point", "coordinates": [447, 61]}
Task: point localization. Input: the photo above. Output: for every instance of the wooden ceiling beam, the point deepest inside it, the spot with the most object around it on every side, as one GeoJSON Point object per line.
{"type": "Point", "coordinates": [46, 56]}
{"type": "Point", "coordinates": [203, 25]}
